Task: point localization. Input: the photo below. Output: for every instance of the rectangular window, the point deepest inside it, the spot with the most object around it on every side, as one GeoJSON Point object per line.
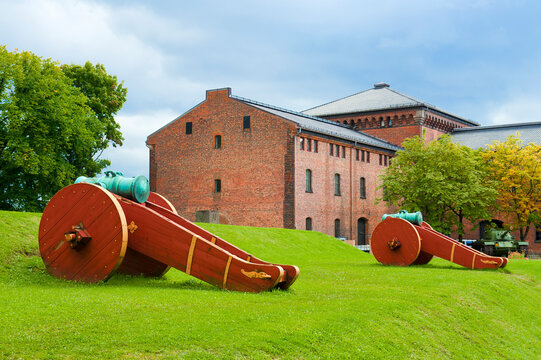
{"type": "Point", "coordinates": [367, 156]}
{"type": "Point", "coordinates": [217, 185]}
{"type": "Point", "coordinates": [217, 142]}
{"type": "Point", "coordinates": [331, 146]}
{"type": "Point", "coordinates": [301, 143]}
{"type": "Point", "coordinates": [362, 155]}
{"type": "Point", "coordinates": [308, 180]}
{"type": "Point", "coordinates": [188, 128]}
{"type": "Point", "coordinates": [357, 154]}
{"type": "Point", "coordinates": [344, 152]}
{"type": "Point", "coordinates": [337, 184]}
{"type": "Point", "coordinates": [538, 235]}
{"type": "Point", "coordinates": [309, 145]}
{"type": "Point", "coordinates": [362, 188]}
{"type": "Point", "coordinates": [246, 122]}
{"type": "Point", "coordinates": [315, 145]}
{"type": "Point", "coordinates": [380, 159]}
{"type": "Point", "coordinates": [385, 160]}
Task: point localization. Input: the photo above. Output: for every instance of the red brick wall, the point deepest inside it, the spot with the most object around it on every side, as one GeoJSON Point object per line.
{"type": "Point", "coordinates": [255, 166]}
{"type": "Point", "coordinates": [322, 205]}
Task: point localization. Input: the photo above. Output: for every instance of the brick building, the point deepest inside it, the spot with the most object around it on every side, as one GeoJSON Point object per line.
{"type": "Point", "coordinates": [253, 164]}
{"type": "Point", "coordinates": [258, 165]}
{"type": "Point", "coordinates": [390, 115]}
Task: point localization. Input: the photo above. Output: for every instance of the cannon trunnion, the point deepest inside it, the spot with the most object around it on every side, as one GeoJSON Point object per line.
{"type": "Point", "coordinates": [88, 233]}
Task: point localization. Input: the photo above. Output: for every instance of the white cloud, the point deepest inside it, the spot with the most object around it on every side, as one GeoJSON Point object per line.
{"type": "Point", "coordinates": [519, 109]}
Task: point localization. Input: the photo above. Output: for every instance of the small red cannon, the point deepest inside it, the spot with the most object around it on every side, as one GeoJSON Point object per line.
{"type": "Point", "coordinates": [87, 233]}
{"type": "Point", "coordinates": [403, 239]}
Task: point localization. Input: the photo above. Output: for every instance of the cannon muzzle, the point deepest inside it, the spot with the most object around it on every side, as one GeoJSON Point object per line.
{"type": "Point", "coordinates": [136, 188]}
{"type": "Point", "coordinates": [414, 218]}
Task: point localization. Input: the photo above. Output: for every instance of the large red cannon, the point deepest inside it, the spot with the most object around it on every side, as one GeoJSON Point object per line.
{"type": "Point", "coordinates": [403, 239]}
{"type": "Point", "coordinates": [87, 233]}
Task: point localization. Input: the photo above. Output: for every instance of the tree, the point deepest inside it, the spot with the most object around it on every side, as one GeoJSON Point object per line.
{"type": "Point", "coordinates": [444, 180]}
{"type": "Point", "coordinates": [48, 133]}
{"type": "Point", "coordinates": [517, 171]}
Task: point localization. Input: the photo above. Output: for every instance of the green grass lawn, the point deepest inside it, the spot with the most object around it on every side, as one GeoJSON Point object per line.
{"type": "Point", "coordinates": [343, 305]}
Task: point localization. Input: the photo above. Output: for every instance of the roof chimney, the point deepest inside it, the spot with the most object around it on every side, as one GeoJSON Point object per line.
{"type": "Point", "coordinates": [381, 85]}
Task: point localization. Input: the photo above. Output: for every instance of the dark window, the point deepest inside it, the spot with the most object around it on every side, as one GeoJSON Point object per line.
{"type": "Point", "coordinates": [308, 223]}
{"type": "Point", "coordinates": [538, 235]}
{"type": "Point", "coordinates": [301, 141]}
{"type": "Point", "coordinates": [343, 151]}
{"type": "Point", "coordinates": [308, 180]}
{"type": "Point", "coordinates": [385, 160]}
{"type": "Point", "coordinates": [188, 128]}
{"type": "Point", "coordinates": [381, 122]}
{"type": "Point", "coordinates": [246, 122]}
{"type": "Point", "coordinates": [331, 149]}
{"type": "Point", "coordinates": [361, 231]}
{"type": "Point", "coordinates": [389, 122]}
{"type": "Point", "coordinates": [309, 145]}
{"type": "Point", "coordinates": [337, 228]}
{"type": "Point", "coordinates": [217, 185]}
{"type": "Point", "coordinates": [367, 156]}
{"type": "Point", "coordinates": [380, 159]}
{"type": "Point", "coordinates": [362, 188]}
{"type": "Point", "coordinates": [315, 145]}
{"type": "Point", "coordinates": [337, 184]}
{"type": "Point", "coordinates": [362, 155]}
{"type": "Point", "coordinates": [357, 154]}
{"type": "Point", "coordinates": [218, 142]}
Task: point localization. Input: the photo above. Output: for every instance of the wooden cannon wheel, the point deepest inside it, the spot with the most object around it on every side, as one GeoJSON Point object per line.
{"type": "Point", "coordinates": [136, 263]}
{"type": "Point", "coordinates": [395, 242]}
{"type": "Point", "coordinates": [83, 233]}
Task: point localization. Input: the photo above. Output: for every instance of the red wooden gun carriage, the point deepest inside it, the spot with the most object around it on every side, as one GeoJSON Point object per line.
{"type": "Point", "coordinates": [87, 233]}
{"type": "Point", "coordinates": [403, 239]}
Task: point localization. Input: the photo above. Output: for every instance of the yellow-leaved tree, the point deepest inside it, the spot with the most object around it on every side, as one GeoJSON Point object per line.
{"type": "Point", "coordinates": [517, 171]}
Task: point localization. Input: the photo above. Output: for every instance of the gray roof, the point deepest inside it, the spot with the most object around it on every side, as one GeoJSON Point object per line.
{"type": "Point", "coordinates": [381, 97]}
{"type": "Point", "coordinates": [481, 136]}
{"type": "Point", "coordinates": [322, 126]}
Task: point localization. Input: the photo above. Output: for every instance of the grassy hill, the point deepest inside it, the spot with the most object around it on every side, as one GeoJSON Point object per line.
{"type": "Point", "coordinates": [344, 305]}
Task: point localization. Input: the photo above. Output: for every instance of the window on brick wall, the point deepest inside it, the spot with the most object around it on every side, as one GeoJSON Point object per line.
{"type": "Point", "coordinates": [343, 151]}
{"type": "Point", "coordinates": [301, 143]}
{"type": "Point", "coordinates": [362, 188]}
{"type": "Point", "coordinates": [380, 159]}
{"type": "Point", "coordinates": [337, 184]}
{"type": "Point", "coordinates": [381, 121]}
{"type": "Point", "coordinates": [308, 223]}
{"type": "Point", "coordinates": [337, 228]}
{"type": "Point", "coordinates": [357, 154]}
{"type": "Point", "coordinates": [331, 146]}
{"type": "Point", "coordinates": [309, 144]}
{"type": "Point", "coordinates": [315, 145]}
{"type": "Point", "coordinates": [246, 122]}
{"type": "Point", "coordinates": [217, 185]}
{"type": "Point", "coordinates": [188, 128]}
{"type": "Point", "coordinates": [385, 157]}
{"type": "Point", "coordinates": [538, 235]}
{"type": "Point", "coordinates": [308, 180]}
{"type": "Point", "coordinates": [362, 155]}
{"type": "Point", "coordinates": [218, 142]}
{"type": "Point", "coordinates": [389, 122]}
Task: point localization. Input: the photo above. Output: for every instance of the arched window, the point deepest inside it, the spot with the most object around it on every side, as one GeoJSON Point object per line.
{"type": "Point", "coordinates": [381, 121]}
{"type": "Point", "coordinates": [337, 184]}
{"type": "Point", "coordinates": [361, 231]}
{"type": "Point", "coordinates": [218, 142]}
{"type": "Point", "coordinates": [308, 223]}
{"type": "Point", "coordinates": [362, 188]}
{"type": "Point", "coordinates": [337, 228]}
{"type": "Point", "coordinates": [308, 180]}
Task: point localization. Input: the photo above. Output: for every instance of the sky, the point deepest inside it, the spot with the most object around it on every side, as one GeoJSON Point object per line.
{"type": "Point", "coordinates": [478, 59]}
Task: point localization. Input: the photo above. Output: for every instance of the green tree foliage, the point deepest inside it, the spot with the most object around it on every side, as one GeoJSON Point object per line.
{"type": "Point", "coordinates": [444, 180]}
{"type": "Point", "coordinates": [48, 132]}
{"type": "Point", "coordinates": [517, 171]}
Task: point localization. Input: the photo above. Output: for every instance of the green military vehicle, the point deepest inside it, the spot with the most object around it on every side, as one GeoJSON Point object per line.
{"type": "Point", "coordinates": [500, 242]}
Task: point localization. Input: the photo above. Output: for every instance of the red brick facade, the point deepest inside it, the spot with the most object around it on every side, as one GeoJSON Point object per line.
{"type": "Point", "coordinates": [262, 170]}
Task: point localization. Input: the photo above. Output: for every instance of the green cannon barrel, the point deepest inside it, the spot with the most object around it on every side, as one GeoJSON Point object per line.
{"type": "Point", "coordinates": [135, 188]}
{"type": "Point", "coordinates": [414, 218]}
